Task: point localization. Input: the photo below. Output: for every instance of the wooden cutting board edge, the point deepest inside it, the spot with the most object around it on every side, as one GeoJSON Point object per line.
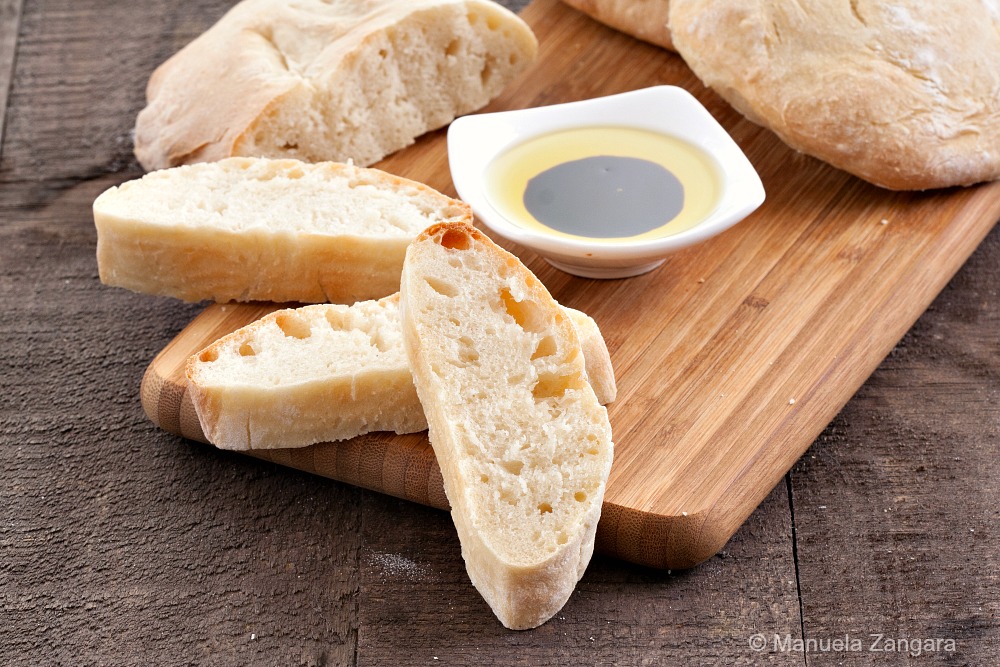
{"type": "Point", "coordinates": [407, 469]}
{"type": "Point", "coordinates": [404, 466]}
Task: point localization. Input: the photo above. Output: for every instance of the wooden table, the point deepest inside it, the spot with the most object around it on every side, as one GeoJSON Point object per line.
{"type": "Point", "coordinates": [123, 545]}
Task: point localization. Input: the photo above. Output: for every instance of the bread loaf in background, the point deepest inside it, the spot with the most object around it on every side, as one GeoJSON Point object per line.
{"type": "Point", "coordinates": [252, 229]}
{"type": "Point", "coordinates": [523, 444]}
{"type": "Point", "coordinates": [643, 19]}
{"type": "Point", "coordinates": [905, 94]}
{"type": "Point", "coordinates": [318, 80]}
{"type": "Point", "coordinates": [327, 372]}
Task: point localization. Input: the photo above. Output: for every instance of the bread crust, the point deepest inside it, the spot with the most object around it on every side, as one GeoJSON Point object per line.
{"type": "Point", "coordinates": [140, 250]}
{"type": "Point", "coordinates": [293, 79]}
{"type": "Point", "coordinates": [523, 585]}
{"type": "Point", "coordinates": [600, 372]}
{"type": "Point", "coordinates": [246, 408]}
{"type": "Point", "coordinates": [251, 408]}
{"type": "Point", "coordinates": [643, 19]}
{"type": "Point", "coordinates": [905, 95]}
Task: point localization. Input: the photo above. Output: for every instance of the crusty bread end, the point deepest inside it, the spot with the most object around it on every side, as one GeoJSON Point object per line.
{"type": "Point", "coordinates": [316, 80]}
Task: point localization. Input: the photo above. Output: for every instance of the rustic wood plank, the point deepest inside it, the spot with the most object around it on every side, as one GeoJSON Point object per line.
{"type": "Point", "coordinates": [137, 546]}
{"type": "Point", "coordinates": [10, 23]}
{"type": "Point", "coordinates": [896, 508]}
{"type": "Point", "coordinates": [417, 606]}
{"type": "Point", "coordinates": [81, 79]}
{"type": "Point", "coordinates": [120, 544]}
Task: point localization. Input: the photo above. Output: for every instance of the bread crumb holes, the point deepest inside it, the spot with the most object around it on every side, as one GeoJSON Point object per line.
{"type": "Point", "coordinates": [293, 326]}
{"type": "Point", "coordinates": [527, 314]}
{"type": "Point", "coordinates": [454, 240]}
{"type": "Point", "coordinates": [441, 287]}
{"type": "Point", "coordinates": [513, 467]}
{"type": "Point", "coordinates": [467, 352]}
{"type": "Point", "coordinates": [336, 320]}
{"type": "Point", "coordinates": [378, 341]}
{"type": "Point", "coordinates": [546, 348]}
{"type": "Point", "coordinates": [551, 385]}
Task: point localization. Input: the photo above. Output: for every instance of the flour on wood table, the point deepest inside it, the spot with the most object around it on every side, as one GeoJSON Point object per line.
{"type": "Point", "coordinates": [395, 565]}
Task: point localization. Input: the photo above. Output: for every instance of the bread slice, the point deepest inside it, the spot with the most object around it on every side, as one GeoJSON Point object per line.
{"type": "Point", "coordinates": [327, 372]}
{"type": "Point", "coordinates": [318, 80]}
{"type": "Point", "coordinates": [596, 358]}
{"type": "Point", "coordinates": [523, 444]}
{"type": "Point", "coordinates": [271, 230]}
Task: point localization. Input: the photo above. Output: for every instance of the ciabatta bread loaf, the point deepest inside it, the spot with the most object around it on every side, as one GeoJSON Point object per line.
{"type": "Point", "coordinates": [247, 229]}
{"type": "Point", "coordinates": [523, 443]}
{"type": "Point", "coordinates": [643, 19]}
{"type": "Point", "coordinates": [904, 94]}
{"type": "Point", "coordinates": [327, 372]}
{"type": "Point", "coordinates": [318, 80]}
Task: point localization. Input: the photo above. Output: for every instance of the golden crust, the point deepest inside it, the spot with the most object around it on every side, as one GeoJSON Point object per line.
{"type": "Point", "coordinates": [137, 251]}
{"type": "Point", "coordinates": [643, 19]}
{"type": "Point", "coordinates": [905, 95]}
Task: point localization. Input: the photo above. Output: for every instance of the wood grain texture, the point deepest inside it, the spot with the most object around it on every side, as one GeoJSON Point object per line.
{"type": "Point", "coordinates": [905, 483]}
{"type": "Point", "coordinates": [733, 356]}
{"type": "Point", "coordinates": [10, 23]}
{"type": "Point", "coordinates": [120, 544]}
{"type": "Point", "coordinates": [620, 614]}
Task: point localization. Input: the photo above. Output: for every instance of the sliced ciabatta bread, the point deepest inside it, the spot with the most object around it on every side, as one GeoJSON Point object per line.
{"type": "Point", "coordinates": [318, 80]}
{"type": "Point", "coordinates": [247, 229]}
{"type": "Point", "coordinates": [597, 359]}
{"type": "Point", "coordinates": [326, 372]}
{"type": "Point", "coordinates": [523, 444]}
{"type": "Point", "coordinates": [643, 19]}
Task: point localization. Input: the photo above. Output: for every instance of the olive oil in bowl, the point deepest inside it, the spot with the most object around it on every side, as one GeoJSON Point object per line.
{"type": "Point", "coordinates": [616, 184]}
{"type": "Point", "coordinates": [607, 187]}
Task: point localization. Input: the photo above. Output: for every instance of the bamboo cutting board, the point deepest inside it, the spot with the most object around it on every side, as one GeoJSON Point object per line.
{"type": "Point", "coordinates": [731, 358]}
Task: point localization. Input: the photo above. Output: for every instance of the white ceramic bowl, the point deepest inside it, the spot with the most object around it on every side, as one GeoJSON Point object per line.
{"type": "Point", "coordinates": [475, 141]}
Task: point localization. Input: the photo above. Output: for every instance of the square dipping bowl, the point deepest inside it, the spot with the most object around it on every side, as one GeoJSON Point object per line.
{"type": "Point", "coordinates": [616, 215]}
